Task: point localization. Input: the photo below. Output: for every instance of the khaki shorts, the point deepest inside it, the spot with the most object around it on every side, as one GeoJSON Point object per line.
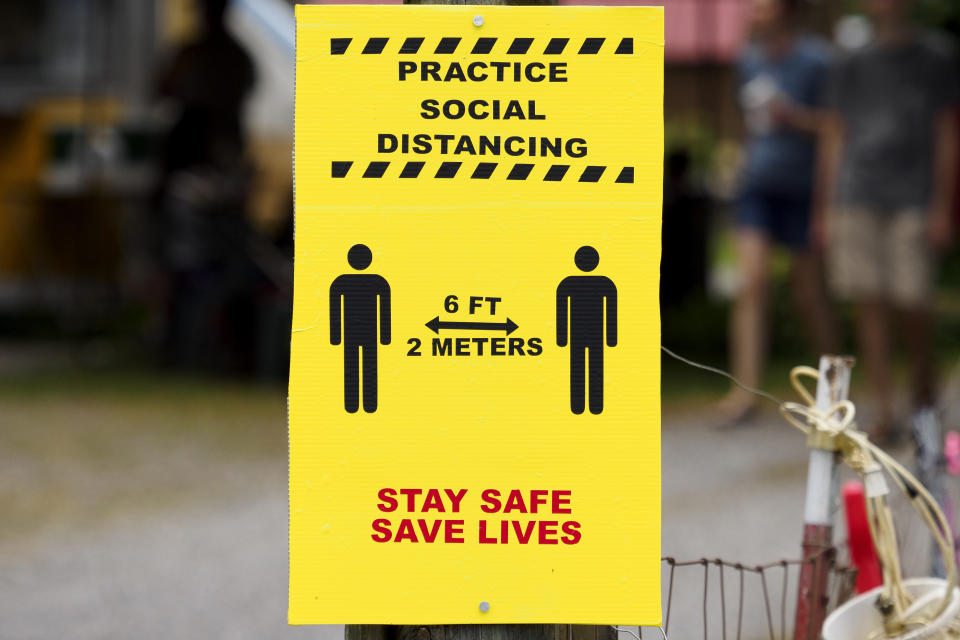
{"type": "Point", "coordinates": [880, 255]}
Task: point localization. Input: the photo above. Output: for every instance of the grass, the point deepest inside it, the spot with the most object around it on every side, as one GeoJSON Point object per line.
{"type": "Point", "coordinates": [77, 448]}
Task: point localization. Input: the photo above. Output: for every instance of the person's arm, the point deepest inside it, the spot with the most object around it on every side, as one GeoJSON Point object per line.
{"type": "Point", "coordinates": [793, 115]}
{"type": "Point", "coordinates": [804, 112]}
{"type": "Point", "coordinates": [561, 316]}
{"type": "Point", "coordinates": [334, 313]}
{"type": "Point", "coordinates": [612, 315]}
{"type": "Point", "coordinates": [944, 177]}
{"type": "Point", "coordinates": [837, 84]}
{"type": "Point", "coordinates": [829, 153]}
{"type": "Point", "coordinates": [385, 313]}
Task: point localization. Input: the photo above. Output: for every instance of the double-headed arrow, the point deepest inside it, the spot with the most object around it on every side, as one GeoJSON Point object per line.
{"type": "Point", "coordinates": [436, 324]}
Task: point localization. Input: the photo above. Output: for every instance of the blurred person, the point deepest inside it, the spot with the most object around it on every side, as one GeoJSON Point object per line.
{"type": "Point", "coordinates": [782, 77]}
{"type": "Point", "coordinates": [886, 190]}
{"type": "Point", "coordinates": [209, 79]}
{"type": "Point", "coordinates": [203, 192]}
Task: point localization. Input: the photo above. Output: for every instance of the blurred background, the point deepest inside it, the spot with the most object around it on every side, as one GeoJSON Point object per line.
{"type": "Point", "coordinates": [146, 245]}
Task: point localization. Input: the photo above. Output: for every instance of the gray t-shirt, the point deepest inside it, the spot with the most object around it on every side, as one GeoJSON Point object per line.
{"type": "Point", "coordinates": [889, 99]}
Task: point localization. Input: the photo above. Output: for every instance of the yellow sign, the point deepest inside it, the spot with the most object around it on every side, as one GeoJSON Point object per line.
{"type": "Point", "coordinates": [474, 387]}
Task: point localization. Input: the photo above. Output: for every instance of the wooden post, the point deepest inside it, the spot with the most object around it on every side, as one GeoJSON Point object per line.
{"type": "Point", "coordinates": [481, 631]}
{"type": "Point", "coordinates": [833, 386]}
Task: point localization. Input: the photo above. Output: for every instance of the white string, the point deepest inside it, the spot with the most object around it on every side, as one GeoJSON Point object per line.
{"type": "Point", "coordinates": [663, 634]}
{"type": "Point", "coordinates": [729, 376]}
{"type": "Point", "coordinates": [789, 410]}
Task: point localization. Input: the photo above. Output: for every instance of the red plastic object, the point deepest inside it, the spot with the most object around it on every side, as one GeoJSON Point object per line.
{"type": "Point", "coordinates": [862, 553]}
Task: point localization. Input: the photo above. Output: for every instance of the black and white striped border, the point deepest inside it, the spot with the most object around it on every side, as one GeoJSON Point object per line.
{"type": "Point", "coordinates": [485, 171]}
{"type": "Point", "coordinates": [482, 46]}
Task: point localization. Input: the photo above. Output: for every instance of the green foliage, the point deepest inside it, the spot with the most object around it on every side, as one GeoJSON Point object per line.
{"type": "Point", "coordinates": [940, 14]}
{"type": "Point", "coordinates": [936, 14]}
{"type": "Point", "coordinates": [693, 137]}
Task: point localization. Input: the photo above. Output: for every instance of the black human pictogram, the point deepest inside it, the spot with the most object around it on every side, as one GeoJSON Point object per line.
{"type": "Point", "coordinates": [589, 300]}
{"type": "Point", "coordinates": [359, 293]}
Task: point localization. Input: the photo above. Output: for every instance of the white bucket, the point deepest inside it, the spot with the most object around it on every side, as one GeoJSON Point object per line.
{"type": "Point", "coordinates": [859, 619]}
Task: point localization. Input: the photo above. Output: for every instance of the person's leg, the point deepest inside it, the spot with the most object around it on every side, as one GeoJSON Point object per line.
{"type": "Point", "coordinates": [748, 322]}
{"type": "Point", "coordinates": [873, 336]}
{"type": "Point", "coordinates": [918, 336]}
{"type": "Point", "coordinates": [912, 267]}
{"type": "Point", "coordinates": [596, 378]}
{"type": "Point", "coordinates": [811, 303]}
{"type": "Point", "coordinates": [369, 377]}
{"type": "Point", "coordinates": [858, 261]}
{"type": "Point", "coordinates": [351, 377]}
{"type": "Point", "coordinates": [197, 304]}
{"type": "Point", "coordinates": [792, 229]}
{"type": "Point", "coordinates": [577, 363]}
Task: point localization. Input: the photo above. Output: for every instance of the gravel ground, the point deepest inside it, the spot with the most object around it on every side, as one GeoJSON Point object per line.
{"type": "Point", "coordinates": [184, 535]}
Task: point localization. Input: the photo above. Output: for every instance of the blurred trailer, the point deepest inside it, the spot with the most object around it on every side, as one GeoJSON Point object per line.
{"type": "Point", "coordinates": [80, 133]}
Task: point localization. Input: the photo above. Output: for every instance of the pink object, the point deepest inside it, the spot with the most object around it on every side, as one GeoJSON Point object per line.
{"type": "Point", "coordinates": [862, 552]}
{"type": "Point", "coordinates": [696, 30]}
{"type": "Point", "coordinates": [951, 452]}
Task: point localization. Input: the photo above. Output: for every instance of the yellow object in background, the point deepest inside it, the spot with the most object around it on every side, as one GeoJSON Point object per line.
{"type": "Point", "coordinates": [474, 391]}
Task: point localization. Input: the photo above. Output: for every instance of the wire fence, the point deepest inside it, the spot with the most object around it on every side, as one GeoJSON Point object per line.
{"type": "Point", "coordinates": [726, 590]}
